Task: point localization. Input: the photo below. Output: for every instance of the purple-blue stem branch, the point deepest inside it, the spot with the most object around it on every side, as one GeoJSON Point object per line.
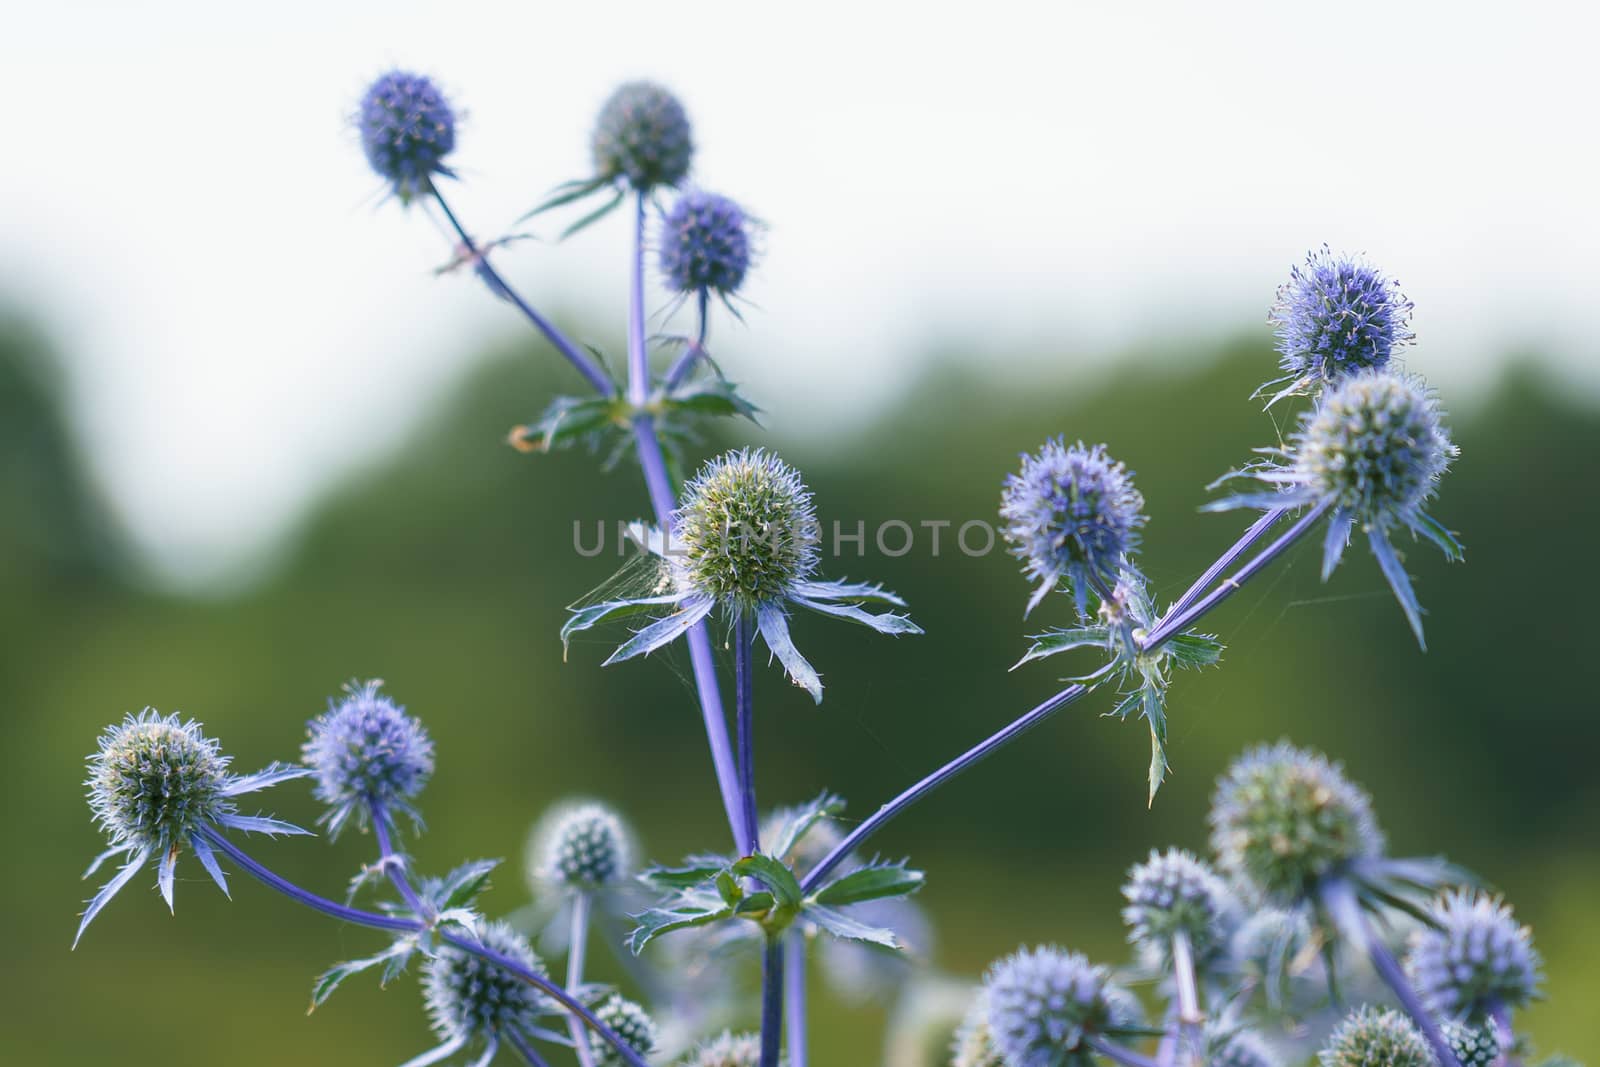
{"type": "Point", "coordinates": [525, 1049]}
{"type": "Point", "coordinates": [1227, 559]}
{"type": "Point", "coordinates": [638, 353]}
{"type": "Point", "coordinates": [744, 723]}
{"type": "Point", "coordinates": [771, 1001]}
{"type": "Point", "coordinates": [1389, 970]}
{"type": "Point", "coordinates": [1501, 1016]}
{"type": "Point", "coordinates": [392, 861]}
{"type": "Point", "coordinates": [795, 991]}
{"type": "Point", "coordinates": [693, 350]}
{"type": "Point", "coordinates": [1117, 1054]}
{"type": "Point", "coordinates": [576, 950]}
{"type": "Point", "coordinates": [398, 925]}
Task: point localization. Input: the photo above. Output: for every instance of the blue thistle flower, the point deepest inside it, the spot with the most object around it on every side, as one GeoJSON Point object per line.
{"type": "Point", "coordinates": [1174, 893]}
{"type": "Point", "coordinates": [468, 998]}
{"type": "Point", "coordinates": [1071, 514]}
{"type": "Point", "coordinates": [642, 136]}
{"type": "Point", "coordinates": [407, 128]}
{"type": "Point", "coordinates": [630, 1022]}
{"type": "Point", "coordinates": [581, 846]}
{"type": "Point", "coordinates": [745, 539]}
{"type": "Point", "coordinates": [725, 1050]}
{"type": "Point", "coordinates": [705, 244]}
{"type": "Point", "coordinates": [1474, 959]}
{"type": "Point", "coordinates": [1376, 1037]}
{"type": "Point", "coordinates": [1046, 1005]}
{"type": "Point", "coordinates": [1371, 454]}
{"type": "Point", "coordinates": [156, 785]}
{"type": "Point", "coordinates": [1473, 1046]}
{"type": "Point", "coordinates": [367, 753]}
{"type": "Point", "coordinates": [973, 1045]}
{"type": "Point", "coordinates": [1336, 315]}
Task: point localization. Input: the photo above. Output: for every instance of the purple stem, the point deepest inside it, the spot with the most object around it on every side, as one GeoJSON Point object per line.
{"type": "Point", "coordinates": [1226, 560]}
{"type": "Point", "coordinates": [525, 1049]}
{"type": "Point", "coordinates": [1117, 1054]}
{"type": "Point", "coordinates": [691, 352]}
{"type": "Point", "coordinates": [393, 862]}
{"type": "Point", "coordinates": [574, 355]}
{"type": "Point", "coordinates": [771, 1002]}
{"type": "Point", "coordinates": [1389, 970]}
{"type": "Point", "coordinates": [987, 747]}
{"type": "Point", "coordinates": [576, 950]}
{"type": "Point", "coordinates": [638, 355]}
{"type": "Point", "coordinates": [795, 990]}
{"type": "Point", "coordinates": [393, 923]}
{"type": "Point", "coordinates": [1177, 622]}
{"type": "Point", "coordinates": [744, 722]}
{"type": "Point", "coordinates": [1501, 1016]}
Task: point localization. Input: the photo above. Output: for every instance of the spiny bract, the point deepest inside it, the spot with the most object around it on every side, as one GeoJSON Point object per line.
{"type": "Point", "coordinates": [407, 128]}
{"type": "Point", "coordinates": [1376, 1037]}
{"type": "Point", "coordinates": [582, 846]}
{"type": "Point", "coordinates": [1171, 893]}
{"type": "Point", "coordinates": [1071, 512]}
{"type": "Point", "coordinates": [725, 1050]}
{"type": "Point", "coordinates": [367, 752]}
{"type": "Point", "coordinates": [1337, 315]}
{"type": "Point", "coordinates": [1284, 818]}
{"type": "Point", "coordinates": [1044, 1004]}
{"type": "Point", "coordinates": [630, 1022]}
{"type": "Point", "coordinates": [469, 997]}
{"type": "Point", "coordinates": [705, 244]}
{"type": "Point", "coordinates": [747, 529]}
{"type": "Point", "coordinates": [642, 135]}
{"type": "Point", "coordinates": [1476, 957]}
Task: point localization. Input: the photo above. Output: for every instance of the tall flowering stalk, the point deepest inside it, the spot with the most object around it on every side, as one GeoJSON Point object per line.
{"type": "Point", "coordinates": [1246, 946]}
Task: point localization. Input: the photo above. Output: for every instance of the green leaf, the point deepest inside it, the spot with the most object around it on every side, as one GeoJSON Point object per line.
{"type": "Point", "coordinates": [567, 420]}
{"type": "Point", "coordinates": [566, 193]}
{"type": "Point", "coordinates": [1054, 641]}
{"type": "Point", "coordinates": [1441, 535]}
{"type": "Point", "coordinates": [1156, 713]}
{"type": "Point", "coordinates": [461, 886]}
{"type": "Point", "coordinates": [799, 822]}
{"type": "Point", "coordinates": [394, 959]}
{"type": "Point", "coordinates": [759, 903]}
{"type": "Point", "coordinates": [709, 396]}
{"type": "Point", "coordinates": [870, 883]}
{"type": "Point", "coordinates": [594, 216]}
{"type": "Point", "coordinates": [841, 925]}
{"type": "Point", "coordinates": [658, 921]}
{"type": "Point", "coordinates": [772, 874]}
{"type": "Point", "coordinates": [693, 872]}
{"type": "Point", "coordinates": [1194, 649]}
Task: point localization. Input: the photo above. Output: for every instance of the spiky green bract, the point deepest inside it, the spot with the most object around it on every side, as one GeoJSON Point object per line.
{"type": "Point", "coordinates": [1175, 893]}
{"type": "Point", "coordinates": [744, 540]}
{"type": "Point", "coordinates": [1474, 1046]}
{"type": "Point", "coordinates": [1473, 957]}
{"type": "Point", "coordinates": [974, 1043]}
{"type": "Point", "coordinates": [1071, 514]}
{"type": "Point", "coordinates": [1231, 1046]}
{"type": "Point", "coordinates": [725, 1050]}
{"type": "Point", "coordinates": [1046, 1004]}
{"type": "Point", "coordinates": [581, 845]}
{"type": "Point", "coordinates": [642, 136]}
{"type": "Point", "coordinates": [470, 999]}
{"type": "Point", "coordinates": [1376, 1037]}
{"type": "Point", "coordinates": [157, 785]}
{"type": "Point", "coordinates": [630, 1022]}
{"type": "Point", "coordinates": [367, 753]}
{"type": "Point", "coordinates": [1372, 453]}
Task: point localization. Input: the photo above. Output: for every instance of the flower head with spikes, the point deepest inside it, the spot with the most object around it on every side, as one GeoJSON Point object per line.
{"type": "Point", "coordinates": [1475, 957]}
{"type": "Point", "coordinates": [158, 785]}
{"type": "Point", "coordinates": [745, 541]}
{"type": "Point", "coordinates": [1369, 455]}
{"type": "Point", "coordinates": [407, 128]}
{"type": "Point", "coordinates": [470, 999]}
{"type": "Point", "coordinates": [368, 755]}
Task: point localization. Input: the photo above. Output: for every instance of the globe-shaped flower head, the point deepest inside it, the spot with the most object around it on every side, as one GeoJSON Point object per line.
{"type": "Point", "coordinates": [725, 1050]}
{"type": "Point", "coordinates": [1071, 513]}
{"type": "Point", "coordinates": [1473, 1046]}
{"type": "Point", "coordinates": [1046, 1005]}
{"type": "Point", "coordinates": [643, 137]}
{"type": "Point", "coordinates": [705, 244]}
{"type": "Point", "coordinates": [1337, 315]}
{"type": "Point", "coordinates": [630, 1022]}
{"type": "Point", "coordinates": [1474, 959]}
{"type": "Point", "coordinates": [744, 540]}
{"type": "Point", "coordinates": [158, 785]}
{"type": "Point", "coordinates": [469, 998]}
{"type": "Point", "coordinates": [581, 846]}
{"type": "Point", "coordinates": [368, 756]}
{"type": "Point", "coordinates": [1172, 894]}
{"type": "Point", "coordinates": [1284, 819]}
{"type": "Point", "coordinates": [407, 128]}
{"type": "Point", "coordinates": [1376, 1037]}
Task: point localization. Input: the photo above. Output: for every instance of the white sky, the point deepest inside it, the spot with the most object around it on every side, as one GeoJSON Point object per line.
{"type": "Point", "coordinates": [183, 203]}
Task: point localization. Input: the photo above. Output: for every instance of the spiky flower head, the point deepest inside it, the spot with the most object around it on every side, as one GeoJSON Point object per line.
{"type": "Point", "coordinates": [630, 1022]}
{"type": "Point", "coordinates": [642, 135]}
{"type": "Point", "coordinates": [158, 785]}
{"type": "Point", "coordinates": [1045, 1004]}
{"type": "Point", "coordinates": [367, 753]}
{"type": "Point", "coordinates": [1376, 1037]}
{"type": "Point", "coordinates": [582, 846]}
{"type": "Point", "coordinates": [1474, 958]}
{"type": "Point", "coordinates": [1071, 513]}
{"type": "Point", "coordinates": [747, 531]}
{"type": "Point", "coordinates": [468, 997]}
{"type": "Point", "coordinates": [705, 244]}
{"type": "Point", "coordinates": [1174, 893]}
{"type": "Point", "coordinates": [974, 1042]}
{"type": "Point", "coordinates": [725, 1050]}
{"type": "Point", "coordinates": [1285, 818]}
{"type": "Point", "coordinates": [1473, 1046]}
{"type": "Point", "coordinates": [1235, 1047]}
{"type": "Point", "coordinates": [1337, 315]}
{"type": "Point", "coordinates": [1375, 447]}
{"type": "Point", "coordinates": [407, 128]}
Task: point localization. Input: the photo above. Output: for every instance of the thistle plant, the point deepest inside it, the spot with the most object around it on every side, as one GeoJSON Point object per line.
{"type": "Point", "coordinates": [1248, 947]}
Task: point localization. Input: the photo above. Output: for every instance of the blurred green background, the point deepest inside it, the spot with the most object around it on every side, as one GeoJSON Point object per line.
{"type": "Point", "coordinates": [445, 571]}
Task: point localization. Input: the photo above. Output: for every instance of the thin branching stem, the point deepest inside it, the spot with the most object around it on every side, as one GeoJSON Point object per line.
{"type": "Point", "coordinates": [576, 950]}
{"type": "Point", "coordinates": [794, 985]}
